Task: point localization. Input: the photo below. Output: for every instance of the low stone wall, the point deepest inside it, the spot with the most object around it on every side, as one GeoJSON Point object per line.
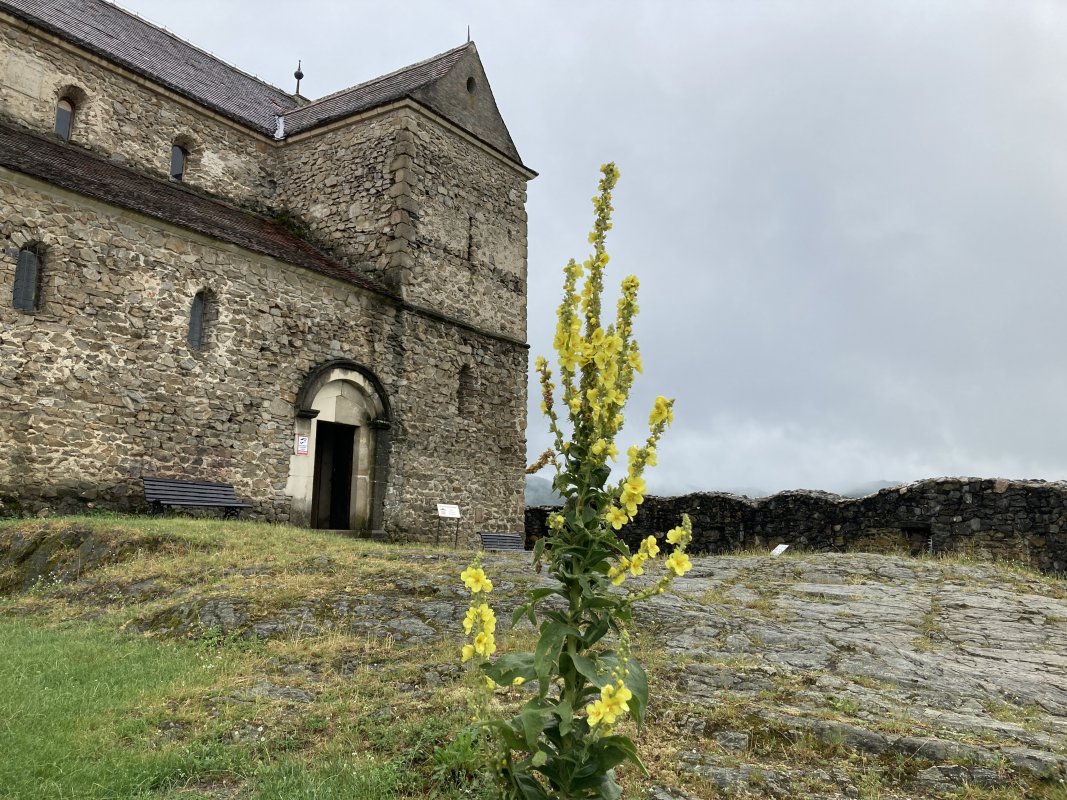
{"type": "Point", "coordinates": [998, 519]}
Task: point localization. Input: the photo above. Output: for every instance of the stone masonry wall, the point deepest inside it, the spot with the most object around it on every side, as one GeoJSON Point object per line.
{"type": "Point", "coordinates": [129, 122]}
{"type": "Point", "coordinates": [1022, 521]}
{"type": "Point", "coordinates": [100, 387]}
{"type": "Point", "coordinates": [469, 233]}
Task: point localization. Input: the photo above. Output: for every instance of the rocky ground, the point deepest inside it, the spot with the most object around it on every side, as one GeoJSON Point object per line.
{"type": "Point", "coordinates": [819, 676]}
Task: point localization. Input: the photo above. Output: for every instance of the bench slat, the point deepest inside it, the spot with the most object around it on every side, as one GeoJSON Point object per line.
{"type": "Point", "coordinates": [175, 492]}
{"type": "Point", "coordinates": [502, 540]}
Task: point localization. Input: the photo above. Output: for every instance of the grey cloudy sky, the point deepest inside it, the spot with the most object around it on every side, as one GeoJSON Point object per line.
{"type": "Point", "coordinates": [847, 217]}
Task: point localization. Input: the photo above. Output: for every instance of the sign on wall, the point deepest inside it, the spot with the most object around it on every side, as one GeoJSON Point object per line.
{"type": "Point", "coordinates": [447, 511]}
{"type": "Point", "coordinates": [303, 445]}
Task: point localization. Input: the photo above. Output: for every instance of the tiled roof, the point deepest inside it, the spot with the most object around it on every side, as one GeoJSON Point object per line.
{"type": "Point", "coordinates": [131, 42]}
{"type": "Point", "coordinates": [74, 169]}
{"type": "Point", "coordinates": [379, 91]}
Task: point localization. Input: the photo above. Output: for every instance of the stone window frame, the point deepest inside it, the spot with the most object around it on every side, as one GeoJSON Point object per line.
{"type": "Point", "coordinates": [75, 97]}
{"type": "Point", "coordinates": [187, 146]}
{"type": "Point", "coordinates": [29, 270]}
{"type": "Point", "coordinates": [203, 314]}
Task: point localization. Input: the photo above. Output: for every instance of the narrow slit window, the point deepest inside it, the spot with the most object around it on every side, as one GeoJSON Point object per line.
{"type": "Point", "coordinates": [178, 158]}
{"type": "Point", "coordinates": [64, 118]}
{"type": "Point", "coordinates": [27, 292]}
{"type": "Point", "coordinates": [468, 386]}
{"type": "Point", "coordinates": [197, 318]}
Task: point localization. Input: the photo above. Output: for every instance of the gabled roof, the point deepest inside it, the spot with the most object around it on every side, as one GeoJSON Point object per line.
{"type": "Point", "coordinates": [137, 45]}
{"type": "Point", "coordinates": [78, 171]}
{"type": "Point", "coordinates": [376, 92]}
{"type": "Point", "coordinates": [141, 47]}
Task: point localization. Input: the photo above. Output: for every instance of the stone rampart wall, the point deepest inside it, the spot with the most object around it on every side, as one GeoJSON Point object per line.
{"type": "Point", "coordinates": [1004, 520]}
{"type": "Point", "coordinates": [129, 121]}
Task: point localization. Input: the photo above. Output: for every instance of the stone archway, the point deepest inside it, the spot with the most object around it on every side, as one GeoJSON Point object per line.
{"type": "Point", "coordinates": [339, 467]}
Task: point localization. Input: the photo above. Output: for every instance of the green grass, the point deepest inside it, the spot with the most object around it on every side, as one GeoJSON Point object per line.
{"type": "Point", "coordinates": [66, 697]}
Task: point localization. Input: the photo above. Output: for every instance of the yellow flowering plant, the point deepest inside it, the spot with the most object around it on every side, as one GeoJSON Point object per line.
{"type": "Point", "coordinates": [562, 744]}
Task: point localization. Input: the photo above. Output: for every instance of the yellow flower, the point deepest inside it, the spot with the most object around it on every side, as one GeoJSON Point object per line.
{"type": "Point", "coordinates": [615, 517]}
{"type": "Point", "coordinates": [540, 363]}
{"type": "Point", "coordinates": [612, 451]}
{"type": "Point", "coordinates": [650, 546]}
{"type": "Point", "coordinates": [637, 565]}
{"type": "Point", "coordinates": [650, 457]}
{"type": "Point", "coordinates": [490, 684]}
{"type": "Point", "coordinates": [595, 712]}
{"type": "Point", "coordinates": [575, 404]}
{"type": "Point", "coordinates": [475, 580]}
{"type": "Point", "coordinates": [635, 360]}
{"type": "Point", "coordinates": [679, 563]}
{"type": "Point", "coordinates": [468, 621]}
{"type": "Point", "coordinates": [678, 535]}
{"type": "Point", "coordinates": [555, 521]}
{"type": "Point", "coordinates": [598, 447]}
{"type": "Point", "coordinates": [484, 644]}
{"type": "Point", "coordinates": [518, 681]}
{"type": "Point", "coordinates": [467, 652]}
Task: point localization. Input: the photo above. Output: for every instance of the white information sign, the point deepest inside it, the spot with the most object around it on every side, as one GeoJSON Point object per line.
{"type": "Point", "coordinates": [303, 445]}
{"type": "Point", "coordinates": [779, 549]}
{"type": "Point", "coordinates": [447, 511]}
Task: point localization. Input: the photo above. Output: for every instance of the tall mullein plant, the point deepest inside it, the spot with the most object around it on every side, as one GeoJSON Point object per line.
{"type": "Point", "coordinates": [582, 679]}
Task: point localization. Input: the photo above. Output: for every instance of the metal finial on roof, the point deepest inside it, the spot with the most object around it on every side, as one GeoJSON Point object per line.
{"type": "Point", "coordinates": [299, 75]}
{"type": "Point", "coordinates": [468, 34]}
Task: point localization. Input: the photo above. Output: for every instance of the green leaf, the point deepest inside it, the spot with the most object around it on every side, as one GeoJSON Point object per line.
{"type": "Point", "coordinates": [566, 717]}
{"type": "Point", "coordinates": [507, 668]}
{"type": "Point", "coordinates": [540, 758]}
{"type": "Point", "coordinates": [528, 787]}
{"type": "Point", "coordinates": [548, 649]}
{"type": "Point", "coordinates": [637, 682]}
{"type": "Point", "coordinates": [533, 722]}
{"type": "Point", "coordinates": [539, 549]}
{"type": "Point", "coordinates": [588, 669]}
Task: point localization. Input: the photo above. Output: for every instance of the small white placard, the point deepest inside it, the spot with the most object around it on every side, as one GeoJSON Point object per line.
{"type": "Point", "coordinates": [303, 445]}
{"type": "Point", "coordinates": [779, 549]}
{"type": "Point", "coordinates": [447, 511]}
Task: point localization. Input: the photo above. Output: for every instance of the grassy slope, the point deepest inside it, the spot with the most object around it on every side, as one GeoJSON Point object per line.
{"type": "Point", "coordinates": [93, 712]}
{"type": "Point", "coordinates": [93, 709]}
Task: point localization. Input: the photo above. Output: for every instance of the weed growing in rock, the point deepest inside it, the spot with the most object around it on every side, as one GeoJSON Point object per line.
{"type": "Point", "coordinates": [563, 742]}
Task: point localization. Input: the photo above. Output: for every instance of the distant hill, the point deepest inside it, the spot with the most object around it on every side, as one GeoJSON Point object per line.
{"type": "Point", "coordinates": [539, 492]}
{"type": "Point", "coordinates": [864, 489]}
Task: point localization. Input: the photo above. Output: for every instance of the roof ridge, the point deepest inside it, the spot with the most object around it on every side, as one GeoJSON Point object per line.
{"type": "Point", "coordinates": [189, 44]}
{"type": "Point", "coordinates": [378, 79]}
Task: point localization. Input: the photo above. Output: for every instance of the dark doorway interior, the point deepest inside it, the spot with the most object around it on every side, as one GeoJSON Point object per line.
{"type": "Point", "coordinates": [331, 503]}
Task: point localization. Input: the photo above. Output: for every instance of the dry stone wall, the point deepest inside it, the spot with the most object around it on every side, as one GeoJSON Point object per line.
{"type": "Point", "coordinates": [1004, 520]}
{"type": "Point", "coordinates": [129, 122]}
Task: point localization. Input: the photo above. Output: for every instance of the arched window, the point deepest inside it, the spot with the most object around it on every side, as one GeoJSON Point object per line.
{"type": "Point", "coordinates": [468, 385]}
{"type": "Point", "coordinates": [27, 292]}
{"type": "Point", "coordinates": [197, 338]}
{"type": "Point", "coordinates": [64, 118]}
{"type": "Point", "coordinates": [179, 157]}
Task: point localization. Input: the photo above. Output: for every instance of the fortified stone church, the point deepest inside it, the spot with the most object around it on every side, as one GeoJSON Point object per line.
{"type": "Point", "coordinates": [203, 276]}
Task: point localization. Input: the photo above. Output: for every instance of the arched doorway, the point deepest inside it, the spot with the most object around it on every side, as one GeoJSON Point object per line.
{"type": "Point", "coordinates": [338, 471]}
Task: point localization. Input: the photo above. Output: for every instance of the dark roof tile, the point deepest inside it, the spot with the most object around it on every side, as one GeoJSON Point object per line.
{"type": "Point", "coordinates": [373, 93]}
{"type": "Point", "coordinates": [70, 168]}
{"type": "Point", "coordinates": [131, 42]}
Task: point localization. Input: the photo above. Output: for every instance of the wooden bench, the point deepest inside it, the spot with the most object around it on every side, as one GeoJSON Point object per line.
{"type": "Point", "coordinates": [160, 492]}
{"type": "Point", "coordinates": [502, 540]}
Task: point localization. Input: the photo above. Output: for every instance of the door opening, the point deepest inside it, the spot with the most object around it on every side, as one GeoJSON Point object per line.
{"type": "Point", "coordinates": [331, 505]}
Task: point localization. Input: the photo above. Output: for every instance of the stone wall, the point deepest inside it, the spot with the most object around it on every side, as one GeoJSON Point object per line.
{"type": "Point", "coordinates": [469, 233]}
{"type": "Point", "coordinates": [130, 120]}
{"type": "Point", "coordinates": [100, 386]}
{"type": "Point", "coordinates": [1005, 520]}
